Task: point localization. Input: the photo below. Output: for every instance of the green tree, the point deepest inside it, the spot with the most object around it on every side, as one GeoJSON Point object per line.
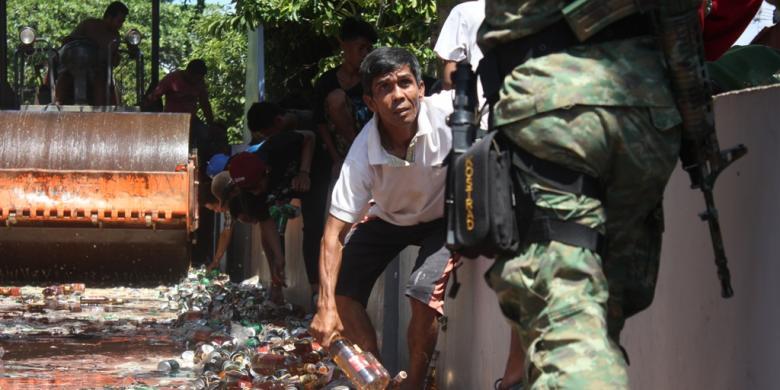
{"type": "Point", "coordinates": [300, 43]}
{"type": "Point", "coordinates": [184, 36]}
{"type": "Point", "coordinates": [300, 35]}
{"type": "Point", "coordinates": [225, 54]}
{"type": "Point", "coordinates": [55, 19]}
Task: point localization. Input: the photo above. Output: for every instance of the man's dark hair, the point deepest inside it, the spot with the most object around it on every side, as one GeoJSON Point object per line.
{"type": "Point", "coordinates": [197, 66]}
{"type": "Point", "coordinates": [261, 115]}
{"type": "Point", "coordinates": [384, 60]}
{"type": "Point", "coordinates": [352, 28]}
{"type": "Point", "coordinates": [115, 9]}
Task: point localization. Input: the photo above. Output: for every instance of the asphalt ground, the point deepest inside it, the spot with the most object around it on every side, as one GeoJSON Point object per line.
{"type": "Point", "coordinates": [116, 344]}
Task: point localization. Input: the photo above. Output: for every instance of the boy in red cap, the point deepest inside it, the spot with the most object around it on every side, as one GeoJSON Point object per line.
{"type": "Point", "coordinates": [249, 173]}
{"type": "Point", "coordinates": [275, 173]}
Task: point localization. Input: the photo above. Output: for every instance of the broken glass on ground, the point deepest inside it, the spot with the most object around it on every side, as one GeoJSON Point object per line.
{"type": "Point", "coordinates": [202, 333]}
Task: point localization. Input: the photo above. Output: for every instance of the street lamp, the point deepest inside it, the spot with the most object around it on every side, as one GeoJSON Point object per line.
{"type": "Point", "coordinates": [27, 35]}
{"type": "Point", "coordinates": [133, 37]}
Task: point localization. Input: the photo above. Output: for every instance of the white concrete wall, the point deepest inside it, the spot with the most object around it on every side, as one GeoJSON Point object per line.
{"type": "Point", "coordinates": [476, 344]}
{"type": "Point", "coordinates": [297, 291]}
{"type": "Point", "coordinates": [690, 337]}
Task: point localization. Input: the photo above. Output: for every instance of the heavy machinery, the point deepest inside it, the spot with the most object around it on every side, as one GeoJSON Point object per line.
{"type": "Point", "coordinates": [98, 194]}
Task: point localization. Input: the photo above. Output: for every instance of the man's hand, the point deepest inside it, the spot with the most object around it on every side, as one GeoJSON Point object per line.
{"type": "Point", "coordinates": [326, 325]}
{"type": "Point", "coordinates": [301, 182]}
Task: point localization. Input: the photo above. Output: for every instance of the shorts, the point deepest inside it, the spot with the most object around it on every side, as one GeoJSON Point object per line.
{"type": "Point", "coordinates": [374, 243]}
{"type": "Point", "coordinates": [248, 207]}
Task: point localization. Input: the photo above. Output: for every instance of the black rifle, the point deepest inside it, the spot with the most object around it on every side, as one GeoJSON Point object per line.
{"type": "Point", "coordinates": [464, 125]}
{"type": "Point", "coordinates": [700, 153]}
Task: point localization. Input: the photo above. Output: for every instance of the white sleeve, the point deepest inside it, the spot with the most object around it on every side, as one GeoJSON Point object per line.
{"type": "Point", "coordinates": [442, 101]}
{"type": "Point", "coordinates": [352, 191]}
{"type": "Point", "coordinates": [452, 44]}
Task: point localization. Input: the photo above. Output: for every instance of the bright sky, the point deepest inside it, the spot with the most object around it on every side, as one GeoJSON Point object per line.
{"type": "Point", "coordinates": [763, 19]}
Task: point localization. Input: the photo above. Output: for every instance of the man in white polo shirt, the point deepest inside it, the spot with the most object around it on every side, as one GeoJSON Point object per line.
{"type": "Point", "coordinates": [396, 164]}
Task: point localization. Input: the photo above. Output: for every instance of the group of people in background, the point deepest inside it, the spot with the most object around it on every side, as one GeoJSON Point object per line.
{"type": "Point", "coordinates": [299, 164]}
{"type": "Point", "coordinates": [372, 193]}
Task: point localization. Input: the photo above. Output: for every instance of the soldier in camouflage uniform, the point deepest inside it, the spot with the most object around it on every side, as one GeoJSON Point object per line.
{"type": "Point", "coordinates": [605, 110]}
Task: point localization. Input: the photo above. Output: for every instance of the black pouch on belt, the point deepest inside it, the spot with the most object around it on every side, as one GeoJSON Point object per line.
{"type": "Point", "coordinates": [487, 206]}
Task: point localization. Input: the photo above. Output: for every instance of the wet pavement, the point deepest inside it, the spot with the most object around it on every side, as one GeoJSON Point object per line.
{"type": "Point", "coordinates": [203, 333]}
{"type": "Point", "coordinates": [62, 343]}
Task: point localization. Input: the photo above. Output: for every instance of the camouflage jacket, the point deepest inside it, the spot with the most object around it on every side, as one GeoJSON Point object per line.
{"type": "Point", "coordinates": [629, 72]}
{"type": "Point", "coordinates": [507, 20]}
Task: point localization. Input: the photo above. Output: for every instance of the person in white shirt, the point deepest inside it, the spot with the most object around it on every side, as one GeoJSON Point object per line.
{"type": "Point", "coordinates": [397, 164]}
{"type": "Point", "coordinates": [457, 42]}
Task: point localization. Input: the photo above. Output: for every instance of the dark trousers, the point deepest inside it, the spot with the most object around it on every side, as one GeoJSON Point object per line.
{"type": "Point", "coordinates": [313, 205]}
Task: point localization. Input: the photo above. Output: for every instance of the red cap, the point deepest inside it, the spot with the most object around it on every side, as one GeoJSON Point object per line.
{"type": "Point", "coordinates": [247, 170]}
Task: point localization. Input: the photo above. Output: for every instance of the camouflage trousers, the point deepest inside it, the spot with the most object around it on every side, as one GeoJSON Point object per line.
{"type": "Point", "coordinates": [569, 304]}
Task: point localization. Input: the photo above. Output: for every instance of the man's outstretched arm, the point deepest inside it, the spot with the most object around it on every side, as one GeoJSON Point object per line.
{"type": "Point", "coordinates": [327, 323]}
{"type": "Point", "coordinates": [161, 89]}
{"type": "Point", "coordinates": [222, 245]}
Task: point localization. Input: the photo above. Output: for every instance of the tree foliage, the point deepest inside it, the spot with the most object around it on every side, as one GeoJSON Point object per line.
{"type": "Point", "coordinates": [184, 35]}
{"type": "Point", "coordinates": [300, 35]}
{"type": "Point", "coordinates": [300, 39]}
{"type": "Point", "coordinates": [225, 54]}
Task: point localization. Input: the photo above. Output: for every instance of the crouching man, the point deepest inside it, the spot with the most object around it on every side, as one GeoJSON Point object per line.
{"type": "Point", "coordinates": [396, 163]}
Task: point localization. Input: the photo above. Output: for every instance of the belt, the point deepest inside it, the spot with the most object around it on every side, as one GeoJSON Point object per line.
{"type": "Point", "coordinates": [567, 232]}
{"type": "Point", "coordinates": [560, 177]}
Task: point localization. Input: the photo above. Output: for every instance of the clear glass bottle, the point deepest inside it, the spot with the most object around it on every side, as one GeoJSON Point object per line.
{"type": "Point", "coordinates": [361, 368]}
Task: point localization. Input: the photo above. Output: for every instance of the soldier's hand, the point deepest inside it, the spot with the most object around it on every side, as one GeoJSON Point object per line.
{"type": "Point", "coordinates": [326, 325]}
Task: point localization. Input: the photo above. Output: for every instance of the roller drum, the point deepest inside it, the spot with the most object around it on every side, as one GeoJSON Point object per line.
{"type": "Point", "coordinates": [98, 197]}
{"type": "Point", "coordinates": [99, 141]}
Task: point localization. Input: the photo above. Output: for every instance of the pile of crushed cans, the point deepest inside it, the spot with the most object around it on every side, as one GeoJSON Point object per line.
{"type": "Point", "coordinates": [235, 337]}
